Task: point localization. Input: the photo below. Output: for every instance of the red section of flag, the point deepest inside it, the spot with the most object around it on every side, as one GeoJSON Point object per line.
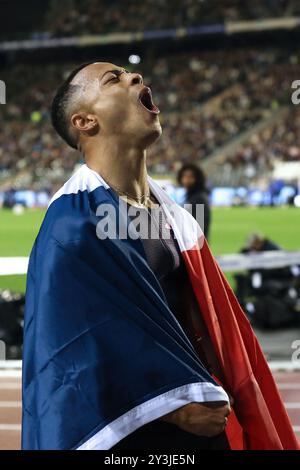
{"type": "Point", "coordinates": [259, 421]}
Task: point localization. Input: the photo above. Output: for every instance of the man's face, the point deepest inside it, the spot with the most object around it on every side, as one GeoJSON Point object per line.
{"type": "Point", "coordinates": [120, 103]}
{"type": "Point", "coordinates": [188, 179]}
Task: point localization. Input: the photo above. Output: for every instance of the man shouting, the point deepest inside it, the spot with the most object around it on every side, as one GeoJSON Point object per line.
{"type": "Point", "coordinates": [133, 338]}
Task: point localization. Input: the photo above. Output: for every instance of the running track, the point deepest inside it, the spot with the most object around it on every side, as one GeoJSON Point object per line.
{"type": "Point", "coordinates": [10, 403]}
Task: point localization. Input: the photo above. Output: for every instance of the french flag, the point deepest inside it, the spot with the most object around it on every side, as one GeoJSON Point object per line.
{"type": "Point", "coordinates": [103, 353]}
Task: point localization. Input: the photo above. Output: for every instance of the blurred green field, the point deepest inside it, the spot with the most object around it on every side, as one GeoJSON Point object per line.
{"type": "Point", "coordinates": [230, 227]}
{"type": "Point", "coordinates": [17, 234]}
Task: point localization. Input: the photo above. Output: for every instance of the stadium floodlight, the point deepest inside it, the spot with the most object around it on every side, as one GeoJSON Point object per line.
{"type": "Point", "coordinates": [134, 59]}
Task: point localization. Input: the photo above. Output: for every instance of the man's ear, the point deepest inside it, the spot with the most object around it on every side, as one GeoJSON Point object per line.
{"type": "Point", "coordinates": [86, 123]}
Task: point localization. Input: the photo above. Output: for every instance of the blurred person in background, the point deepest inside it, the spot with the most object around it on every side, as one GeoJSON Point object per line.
{"type": "Point", "coordinates": [269, 295]}
{"type": "Point", "coordinates": [257, 242]}
{"type": "Point", "coordinates": [193, 179]}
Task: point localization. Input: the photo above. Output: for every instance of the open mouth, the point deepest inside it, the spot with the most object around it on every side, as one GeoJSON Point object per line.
{"type": "Point", "coordinates": [145, 98]}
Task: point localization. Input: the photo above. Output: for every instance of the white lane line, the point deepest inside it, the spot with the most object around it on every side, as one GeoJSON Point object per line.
{"type": "Point", "coordinates": [10, 386]}
{"type": "Point", "coordinates": [285, 386]}
{"type": "Point", "coordinates": [281, 366]}
{"type": "Point", "coordinates": [11, 373]}
{"type": "Point", "coordinates": [10, 404]}
{"type": "Point", "coordinates": [10, 427]}
{"type": "Point", "coordinates": [11, 364]}
{"type": "Point", "coordinates": [292, 406]}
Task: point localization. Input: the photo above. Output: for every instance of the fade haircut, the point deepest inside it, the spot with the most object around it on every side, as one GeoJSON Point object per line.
{"type": "Point", "coordinates": [60, 108]}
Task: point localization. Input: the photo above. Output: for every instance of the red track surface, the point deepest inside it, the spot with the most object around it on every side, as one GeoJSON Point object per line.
{"type": "Point", "coordinates": [10, 406]}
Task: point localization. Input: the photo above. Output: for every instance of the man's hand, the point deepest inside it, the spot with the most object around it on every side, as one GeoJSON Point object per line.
{"type": "Point", "coordinates": [203, 419]}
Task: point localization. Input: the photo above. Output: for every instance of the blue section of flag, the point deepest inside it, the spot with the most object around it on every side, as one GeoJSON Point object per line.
{"type": "Point", "coordinates": [99, 336]}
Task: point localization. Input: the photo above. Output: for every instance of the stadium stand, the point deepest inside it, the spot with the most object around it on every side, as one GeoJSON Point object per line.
{"type": "Point", "coordinates": [207, 100]}
{"type": "Point", "coordinates": [75, 17]}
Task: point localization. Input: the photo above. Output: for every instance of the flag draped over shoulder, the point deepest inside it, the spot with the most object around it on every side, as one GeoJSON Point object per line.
{"type": "Point", "coordinates": [104, 355]}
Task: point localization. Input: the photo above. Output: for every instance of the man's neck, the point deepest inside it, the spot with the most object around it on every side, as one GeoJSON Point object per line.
{"type": "Point", "coordinates": [122, 167]}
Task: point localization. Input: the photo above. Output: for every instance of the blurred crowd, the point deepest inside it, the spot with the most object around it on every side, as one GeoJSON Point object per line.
{"type": "Point", "coordinates": [53, 18]}
{"type": "Point", "coordinates": [207, 100]}
{"type": "Point", "coordinates": [102, 16]}
{"type": "Point", "coordinates": [277, 142]}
